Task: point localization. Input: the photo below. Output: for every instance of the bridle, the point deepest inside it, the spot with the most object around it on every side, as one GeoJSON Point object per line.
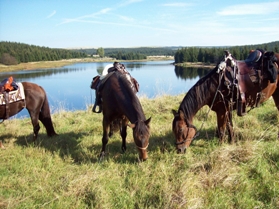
{"type": "Point", "coordinates": [191, 139]}
{"type": "Point", "coordinates": [142, 148]}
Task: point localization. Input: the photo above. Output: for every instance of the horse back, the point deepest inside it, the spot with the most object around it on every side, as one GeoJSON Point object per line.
{"type": "Point", "coordinates": [119, 99]}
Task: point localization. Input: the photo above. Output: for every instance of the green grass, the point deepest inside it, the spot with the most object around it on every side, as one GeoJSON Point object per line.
{"type": "Point", "coordinates": [64, 171]}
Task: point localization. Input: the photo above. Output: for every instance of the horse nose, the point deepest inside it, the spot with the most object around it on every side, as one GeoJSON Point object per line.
{"type": "Point", "coordinates": [143, 155]}
{"type": "Point", "coordinates": [181, 150]}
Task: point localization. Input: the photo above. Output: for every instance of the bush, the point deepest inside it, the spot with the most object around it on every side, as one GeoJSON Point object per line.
{"type": "Point", "coordinates": [7, 59]}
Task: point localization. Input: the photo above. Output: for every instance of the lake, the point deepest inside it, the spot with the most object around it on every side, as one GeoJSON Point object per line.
{"type": "Point", "coordinates": [68, 87]}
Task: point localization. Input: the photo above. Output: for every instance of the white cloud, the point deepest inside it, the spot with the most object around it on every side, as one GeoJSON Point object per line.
{"type": "Point", "coordinates": [176, 4]}
{"type": "Point", "coordinates": [53, 13]}
{"type": "Point", "coordinates": [130, 2]}
{"type": "Point", "coordinates": [125, 18]}
{"type": "Point", "coordinates": [251, 9]}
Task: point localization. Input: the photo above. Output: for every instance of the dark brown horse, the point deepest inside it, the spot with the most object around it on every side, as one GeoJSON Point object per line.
{"type": "Point", "coordinates": [224, 92]}
{"type": "Point", "coordinates": [36, 103]}
{"type": "Point", "coordinates": [121, 105]}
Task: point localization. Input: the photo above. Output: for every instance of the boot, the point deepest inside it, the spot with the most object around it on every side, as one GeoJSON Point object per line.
{"type": "Point", "coordinates": [98, 103]}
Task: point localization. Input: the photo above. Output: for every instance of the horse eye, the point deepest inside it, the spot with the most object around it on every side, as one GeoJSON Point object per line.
{"type": "Point", "coordinates": [180, 130]}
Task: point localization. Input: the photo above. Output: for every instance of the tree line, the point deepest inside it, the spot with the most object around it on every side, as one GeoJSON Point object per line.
{"type": "Point", "coordinates": [128, 56]}
{"type": "Point", "coordinates": [147, 51]}
{"type": "Point", "coordinates": [215, 54]}
{"type": "Point", "coordinates": [12, 53]}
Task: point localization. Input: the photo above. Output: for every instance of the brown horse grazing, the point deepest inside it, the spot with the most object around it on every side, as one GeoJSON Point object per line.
{"type": "Point", "coordinates": [231, 85]}
{"type": "Point", "coordinates": [37, 105]}
{"type": "Point", "coordinates": [121, 105]}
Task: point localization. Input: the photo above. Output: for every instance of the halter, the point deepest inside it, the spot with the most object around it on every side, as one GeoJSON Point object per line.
{"type": "Point", "coordinates": [185, 140]}
{"type": "Point", "coordinates": [142, 148]}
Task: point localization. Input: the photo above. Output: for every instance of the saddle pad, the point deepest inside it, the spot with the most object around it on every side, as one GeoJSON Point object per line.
{"type": "Point", "coordinates": [14, 96]}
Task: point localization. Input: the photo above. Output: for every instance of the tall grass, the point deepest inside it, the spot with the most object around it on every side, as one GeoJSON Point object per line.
{"type": "Point", "coordinates": [64, 171]}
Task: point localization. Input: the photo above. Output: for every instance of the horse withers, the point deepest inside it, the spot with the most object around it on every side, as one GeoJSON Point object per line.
{"type": "Point", "coordinates": [120, 105]}
{"type": "Point", "coordinates": [231, 85]}
{"type": "Point", "coordinates": [36, 102]}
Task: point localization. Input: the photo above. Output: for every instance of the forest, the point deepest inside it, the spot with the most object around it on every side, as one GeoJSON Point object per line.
{"type": "Point", "coordinates": [14, 53]}
{"type": "Point", "coordinates": [215, 54]}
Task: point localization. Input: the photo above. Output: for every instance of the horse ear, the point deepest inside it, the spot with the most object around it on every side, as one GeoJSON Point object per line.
{"type": "Point", "coordinates": [147, 121]}
{"type": "Point", "coordinates": [174, 112]}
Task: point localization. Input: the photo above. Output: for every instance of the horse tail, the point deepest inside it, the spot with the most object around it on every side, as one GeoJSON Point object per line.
{"type": "Point", "coordinates": [45, 117]}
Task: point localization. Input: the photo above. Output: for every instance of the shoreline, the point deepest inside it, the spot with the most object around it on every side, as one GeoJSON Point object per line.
{"type": "Point", "coordinates": [61, 63]}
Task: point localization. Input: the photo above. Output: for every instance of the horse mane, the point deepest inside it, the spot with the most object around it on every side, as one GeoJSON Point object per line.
{"type": "Point", "coordinates": [130, 95]}
{"type": "Point", "coordinates": [198, 95]}
{"type": "Point", "coordinates": [140, 127]}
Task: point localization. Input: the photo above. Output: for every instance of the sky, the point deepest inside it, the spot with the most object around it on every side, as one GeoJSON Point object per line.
{"type": "Point", "coordinates": [138, 23]}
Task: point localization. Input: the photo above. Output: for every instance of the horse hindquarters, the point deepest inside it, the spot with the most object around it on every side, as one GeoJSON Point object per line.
{"type": "Point", "coordinates": [45, 118]}
{"type": "Point", "coordinates": [38, 108]}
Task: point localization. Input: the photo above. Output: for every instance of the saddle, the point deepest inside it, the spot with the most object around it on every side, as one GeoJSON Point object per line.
{"type": "Point", "coordinates": [9, 93]}
{"type": "Point", "coordinates": [248, 74]}
{"type": "Point", "coordinates": [8, 84]}
{"type": "Point", "coordinates": [99, 81]}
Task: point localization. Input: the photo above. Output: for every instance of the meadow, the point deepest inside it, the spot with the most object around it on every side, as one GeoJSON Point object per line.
{"type": "Point", "coordinates": [65, 171]}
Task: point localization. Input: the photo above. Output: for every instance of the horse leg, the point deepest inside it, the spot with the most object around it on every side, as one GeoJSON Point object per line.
{"type": "Point", "coordinates": [221, 123]}
{"type": "Point", "coordinates": [275, 96]}
{"type": "Point", "coordinates": [105, 138]}
{"type": "Point", "coordinates": [35, 123]}
{"type": "Point", "coordinates": [229, 126]}
{"type": "Point", "coordinates": [123, 133]}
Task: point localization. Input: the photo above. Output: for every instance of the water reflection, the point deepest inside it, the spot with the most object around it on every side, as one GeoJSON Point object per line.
{"type": "Point", "coordinates": [28, 74]}
{"type": "Point", "coordinates": [189, 72]}
{"type": "Point", "coordinates": [68, 87]}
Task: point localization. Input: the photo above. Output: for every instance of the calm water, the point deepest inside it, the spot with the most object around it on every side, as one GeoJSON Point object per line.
{"type": "Point", "coordinates": [68, 87]}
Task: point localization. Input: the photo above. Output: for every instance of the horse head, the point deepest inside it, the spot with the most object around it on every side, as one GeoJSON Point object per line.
{"type": "Point", "coordinates": [184, 132]}
{"type": "Point", "coordinates": [141, 134]}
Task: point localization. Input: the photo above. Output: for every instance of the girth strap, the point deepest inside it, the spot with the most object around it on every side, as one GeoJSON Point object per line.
{"type": "Point", "coordinates": [6, 95]}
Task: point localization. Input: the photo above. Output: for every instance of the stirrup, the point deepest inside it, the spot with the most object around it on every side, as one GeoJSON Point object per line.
{"type": "Point", "coordinates": [95, 107]}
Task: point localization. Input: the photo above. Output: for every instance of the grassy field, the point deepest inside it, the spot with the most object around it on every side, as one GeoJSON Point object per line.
{"type": "Point", "coordinates": [64, 171]}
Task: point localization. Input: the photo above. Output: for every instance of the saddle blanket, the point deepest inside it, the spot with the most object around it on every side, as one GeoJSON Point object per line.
{"type": "Point", "coordinates": [14, 96]}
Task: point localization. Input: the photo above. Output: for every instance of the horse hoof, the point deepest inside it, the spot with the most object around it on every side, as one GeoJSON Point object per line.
{"type": "Point", "coordinates": [123, 149]}
{"type": "Point", "coordinates": [102, 156]}
{"type": "Point", "coordinates": [110, 134]}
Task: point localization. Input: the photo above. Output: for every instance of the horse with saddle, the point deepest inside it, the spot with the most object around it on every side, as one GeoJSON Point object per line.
{"type": "Point", "coordinates": [248, 74]}
{"type": "Point", "coordinates": [99, 81]}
